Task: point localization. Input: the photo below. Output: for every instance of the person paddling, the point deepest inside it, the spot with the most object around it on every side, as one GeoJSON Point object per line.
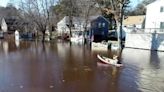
{"type": "Point", "coordinates": [116, 61]}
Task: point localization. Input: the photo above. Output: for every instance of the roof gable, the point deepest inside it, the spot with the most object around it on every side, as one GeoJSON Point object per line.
{"type": "Point", "coordinates": [100, 16]}
{"type": "Point", "coordinates": [77, 20]}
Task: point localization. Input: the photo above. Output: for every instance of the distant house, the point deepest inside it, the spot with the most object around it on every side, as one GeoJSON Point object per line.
{"type": "Point", "coordinates": [3, 25]}
{"type": "Point", "coordinates": [155, 16]}
{"type": "Point", "coordinates": [9, 24]}
{"type": "Point", "coordinates": [134, 21]}
{"type": "Point", "coordinates": [12, 23]}
{"type": "Point", "coordinates": [78, 25]}
{"type": "Point", "coordinates": [99, 29]}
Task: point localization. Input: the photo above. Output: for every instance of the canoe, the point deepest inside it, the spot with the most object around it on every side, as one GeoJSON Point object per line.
{"type": "Point", "coordinates": [108, 60]}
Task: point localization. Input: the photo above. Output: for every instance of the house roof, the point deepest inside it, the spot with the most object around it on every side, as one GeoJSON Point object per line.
{"type": "Point", "coordinates": [65, 20]}
{"type": "Point", "coordinates": [79, 19]}
{"type": "Point", "coordinates": [134, 20]}
{"type": "Point", "coordinates": [92, 18]}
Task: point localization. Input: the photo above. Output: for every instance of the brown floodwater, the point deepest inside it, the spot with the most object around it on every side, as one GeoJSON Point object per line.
{"type": "Point", "coordinates": [30, 66]}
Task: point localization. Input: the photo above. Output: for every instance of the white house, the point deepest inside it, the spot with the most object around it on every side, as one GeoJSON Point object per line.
{"type": "Point", "coordinates": [3, 25]}
{"type": "Point", "coordinates": [155, 17]}
{"type": "Point", "coordinates": [153, 38]}
{"type": "Point", "coordinates": [78, 25]}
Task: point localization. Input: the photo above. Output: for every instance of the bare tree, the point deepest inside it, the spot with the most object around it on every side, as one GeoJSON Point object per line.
{"type": "Point", "coordinates": [87, 8]}
{"type": "Point", "coordinates": [68, 8]}
{"type": "Point", "coordinates": [140, 9]}
{"type": "Point", "coordinates": [117, 8]}
{"type": "Point", "coordinates": [38, 13]}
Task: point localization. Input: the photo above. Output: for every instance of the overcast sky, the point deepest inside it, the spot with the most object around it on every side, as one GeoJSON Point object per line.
{"type": "Point", "coordinates": [4, 2]}
{"type": "Point", "coordinates": [135, 2]}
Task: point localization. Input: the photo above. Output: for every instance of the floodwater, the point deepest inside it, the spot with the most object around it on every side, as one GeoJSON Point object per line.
{"type": "Point", "coordinates": [30, 66]}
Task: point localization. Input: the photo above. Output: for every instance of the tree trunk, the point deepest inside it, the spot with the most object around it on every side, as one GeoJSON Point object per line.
{"type": "Point", "coordinates": [70, 31]}
{"type": "Point", "coordinates": [118, 33]}
{"type": "Point", "coordinates": [122, 13]}
{"type": "Point", "coordinates": [86, 24]}
{"type": "Point", "coordinates": [70, 25]}
{"type": "Point", "coordinates": [43, 32]}
{"type": "Point", "coordinates": [84, 35]}
{"type": "Point", "coordinates": [121, 20]}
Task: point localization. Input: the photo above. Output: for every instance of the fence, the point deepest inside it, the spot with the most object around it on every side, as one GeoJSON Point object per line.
{"type": "Point", "coordinates": [147, 30]}
{"type": "Point", "coordinates": [151, 41]}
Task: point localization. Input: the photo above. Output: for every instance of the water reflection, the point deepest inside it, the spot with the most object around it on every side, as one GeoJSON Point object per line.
{"type": "Point", "coordinates": [11, 46]}
{"type": "Point", "coordinates": [154, 60]}
{"type": "Point", "coordinates": [17, 43]}
{"type": "Point", "coordinates": [111, 80]}
{"type": "Point", "coordinates": [63, 67]}
{"type": "Point", "coordinates": [149, 69]}
{"type": "Point", "coordinates": [5, 47]}
{"type": "Point", "coordinates": [152, 77]}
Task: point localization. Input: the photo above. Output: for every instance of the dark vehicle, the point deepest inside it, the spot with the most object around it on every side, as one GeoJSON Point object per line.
{"type": "Point", "coordinates": [112, 35]}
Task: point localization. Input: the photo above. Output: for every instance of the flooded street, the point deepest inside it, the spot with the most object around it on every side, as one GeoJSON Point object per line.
{"type": "Point", "coordinates": [29, 66]}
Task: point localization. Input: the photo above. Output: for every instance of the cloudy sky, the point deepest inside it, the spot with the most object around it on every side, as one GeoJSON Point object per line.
{"type": "Point", "coordinates": [3, 2]}
{"type": "Point", "coordinates": [135, 2]}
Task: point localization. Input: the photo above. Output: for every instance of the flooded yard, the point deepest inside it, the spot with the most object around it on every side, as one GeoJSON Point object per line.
{"type": "Point", "coordinates": [30, 66]}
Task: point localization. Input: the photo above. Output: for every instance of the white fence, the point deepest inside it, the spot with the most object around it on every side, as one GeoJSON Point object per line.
{"type": "Point", "coordinates": [151, 41]}
{"type": "Point", "coordinates": [148, 30]}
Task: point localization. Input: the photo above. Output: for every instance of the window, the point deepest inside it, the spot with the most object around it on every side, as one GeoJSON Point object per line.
{"type": "Point", "coordinates": [103, 24]}
{"type": "Point", "coordinates": [99, 25]}
{"type": "Point", "coordinates": [162, 25]}
{"type": "Point", "coordinates": [75, 25]}
{"type": "Point", "coordinates": [162, 9]}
